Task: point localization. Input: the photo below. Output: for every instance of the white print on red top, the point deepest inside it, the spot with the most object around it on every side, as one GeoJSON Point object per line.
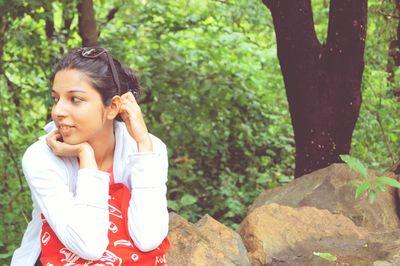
{"type": "Point", "coordinates": [113, 227]}
{"type": "Point", "coordinates": [68, 256]}
{"type": "Point", "coordinates": [121, 250]}
{"type": "Point", "coordinates": [160, 260]}
{"type": "Point", "coordinates": [114, 211]}
{"type": "Point", "coordinates": [46, 238]}
{"type": "Point", "coordinates": [123, 242]}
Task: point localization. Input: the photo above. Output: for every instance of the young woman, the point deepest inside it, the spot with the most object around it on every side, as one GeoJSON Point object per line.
{"type": "Point", "coordinates": [98, 178]}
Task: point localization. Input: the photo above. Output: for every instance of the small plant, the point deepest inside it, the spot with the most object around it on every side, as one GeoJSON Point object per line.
{"type": "Point", "coordinates": [369, 185]}
{"type": "Point", "coordinates": [326, 256]}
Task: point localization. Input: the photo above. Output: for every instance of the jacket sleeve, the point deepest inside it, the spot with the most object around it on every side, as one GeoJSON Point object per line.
{"type": "Point", "coordinates": [79, 220]}
{"type": "Point", "coordinates": [148, 214]}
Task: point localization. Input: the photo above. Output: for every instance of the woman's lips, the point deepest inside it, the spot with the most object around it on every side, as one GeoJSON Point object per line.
{"type": "Point", "coordinates": [65, 130]}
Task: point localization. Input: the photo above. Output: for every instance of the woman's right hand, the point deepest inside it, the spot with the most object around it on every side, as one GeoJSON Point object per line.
{"type": "Point", "coordinates": [63, 149]}
{"type": "Point", "coordinates": [82, 150]}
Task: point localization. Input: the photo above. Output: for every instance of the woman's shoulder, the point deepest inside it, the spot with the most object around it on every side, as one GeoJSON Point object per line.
{"type": "Point", "coordinates": [38, 153]}
{"type": "Point", "coordinates": [38, 149]}
{"type": "Point", "coordinates": [39, 163]}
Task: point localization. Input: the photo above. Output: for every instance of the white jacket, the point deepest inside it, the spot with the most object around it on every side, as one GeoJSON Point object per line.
{"type": "Point", "coordinates": [75, 201]}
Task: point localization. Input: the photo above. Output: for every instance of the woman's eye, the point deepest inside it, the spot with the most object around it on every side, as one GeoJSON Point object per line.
{"type": "Point", "coordinates": [75, 99]}
{"type": "Point", "coordinates": [54, 99]}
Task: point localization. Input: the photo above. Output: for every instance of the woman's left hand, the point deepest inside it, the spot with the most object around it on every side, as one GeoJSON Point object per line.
{"type": "Point", "coordinates": [132, 116]}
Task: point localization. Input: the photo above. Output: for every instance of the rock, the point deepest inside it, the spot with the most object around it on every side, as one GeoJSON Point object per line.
{"type": "Point", "coordinates": [382, 263]}
{"type": "Point", "coordinates": [221, 236]}
{"type": "Point", "coordinates": [331, 188]}
{"type": "Point", "coordinates": [388, 246]}
{"type": "Point", "coordinates": [280, 235]}
{"type": "Point", "coordinates": [206, 243]}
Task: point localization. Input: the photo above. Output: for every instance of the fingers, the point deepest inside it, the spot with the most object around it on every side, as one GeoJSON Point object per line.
{"type": "Point", "coordinates": [55, 142]}
{"type": "Point", "coordinates": [129, 97]}
{"type": "Point", "coordinates": [52, 138]}
{"type": "Point", "coordinates": [129, 106]}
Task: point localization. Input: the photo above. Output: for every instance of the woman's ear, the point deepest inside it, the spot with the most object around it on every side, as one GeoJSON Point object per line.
{"type": "Point", "coordinates": [113, 108]}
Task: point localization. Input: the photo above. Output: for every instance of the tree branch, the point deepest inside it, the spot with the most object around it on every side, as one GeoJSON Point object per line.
{"type": "Point", "coordinates": [346, 33]}
{"type": "Point", "coordinates": [49, 27]}
{"type": "Point", "coordinates": [109, 17]}
{"type": "Point", "coordinates": [3, 30]}
{"type": "Point", "coordinates": [87, 23]}
{"type": "Point", "coordinates": [111, 14]}
{"type": "Point", "coordinates": [8, 144]}
{"type": "Point", "coordinates": [385, 138]}
{"type": "Point", "coordinates": [295, 32]}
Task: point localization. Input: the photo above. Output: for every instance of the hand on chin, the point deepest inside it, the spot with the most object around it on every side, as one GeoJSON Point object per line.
{"type": "Point", "coordinates": [59, 147]}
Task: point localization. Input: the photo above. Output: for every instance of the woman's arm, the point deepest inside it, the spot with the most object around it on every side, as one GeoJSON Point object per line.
{"type": "Point", "coordinates": [148, 214]}
{"type": "Point", "coordinates": [80, 221]}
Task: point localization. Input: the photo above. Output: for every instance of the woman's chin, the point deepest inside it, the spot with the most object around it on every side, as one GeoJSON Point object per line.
{"type": "Point", "coordinates": [72, 141]}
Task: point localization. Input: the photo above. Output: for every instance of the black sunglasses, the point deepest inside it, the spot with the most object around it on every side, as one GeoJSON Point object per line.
{"type": "Point", "coordinates": [95, 52]}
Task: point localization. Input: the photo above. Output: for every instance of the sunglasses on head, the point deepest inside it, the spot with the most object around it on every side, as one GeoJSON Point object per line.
{"type": "Point", "coordinates": [95, 52]}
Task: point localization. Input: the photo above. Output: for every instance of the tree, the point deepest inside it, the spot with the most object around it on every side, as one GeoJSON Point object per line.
{"type": "Point", "coordinates": [322, 80]}
{"type": "Point", "coordinates": [87, 24]}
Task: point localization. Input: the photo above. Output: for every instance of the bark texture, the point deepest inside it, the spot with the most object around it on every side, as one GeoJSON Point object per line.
{"type": "Point", "coordinates": [3, 29]}
{"type": "Point", "coordinates": [322, 81]}
{"type": "Point", "coordinates": [87, 24]}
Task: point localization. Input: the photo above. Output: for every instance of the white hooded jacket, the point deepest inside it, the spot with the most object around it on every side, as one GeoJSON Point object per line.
{"type": "Point", "coordinates": [75, 201]}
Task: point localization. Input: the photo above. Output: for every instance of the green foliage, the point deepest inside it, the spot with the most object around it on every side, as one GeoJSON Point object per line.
{"type": "Point", "coordinates": [355, 164]}
{"type": "Point", "coordinates": [213, 92]}
{"type": "Point", "coordinates": [213, 102]}
{"type": "Point", "coordinates": [376, 136]}
{"type": "Point", "coordinates": [368, 185]}
{"type": "Point", "coordinates": [215, 89]}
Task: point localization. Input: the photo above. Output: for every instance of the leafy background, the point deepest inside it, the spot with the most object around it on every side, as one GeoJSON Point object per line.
{"type": "Point", "coordinates": [216, 89]}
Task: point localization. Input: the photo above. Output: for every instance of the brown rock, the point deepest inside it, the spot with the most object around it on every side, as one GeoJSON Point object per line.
{"type": "Point", "coordinates": [271, 231]}
{"type": "Point", "coordinates": [206, 243]}
{"type": "Point", "coordinates": [332, 188]}
{"type": "Point", "coordinates": [388, 245]}
{"type": "Point", "coordinates": [228, 240]}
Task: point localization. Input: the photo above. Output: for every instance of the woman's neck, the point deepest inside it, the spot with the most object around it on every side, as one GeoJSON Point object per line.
{"type": "Point", "coordinates": [103, 146]}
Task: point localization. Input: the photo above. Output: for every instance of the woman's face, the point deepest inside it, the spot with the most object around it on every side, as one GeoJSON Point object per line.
{"type": "Point", "coordinates": [78, 110]}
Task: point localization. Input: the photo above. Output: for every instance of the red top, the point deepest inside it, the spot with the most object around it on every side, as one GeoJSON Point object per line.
{"type": "Point", "coordinates": [120, 251]}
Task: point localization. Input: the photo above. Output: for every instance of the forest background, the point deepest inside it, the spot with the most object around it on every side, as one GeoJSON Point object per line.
{"type": "Point", "coordinates": [213, 92]}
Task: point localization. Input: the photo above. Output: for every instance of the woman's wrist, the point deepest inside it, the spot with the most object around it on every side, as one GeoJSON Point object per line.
{"type": "Point", "coordinates": [86, 157]}
{"type": "Point", "coordinates": [145, 145]}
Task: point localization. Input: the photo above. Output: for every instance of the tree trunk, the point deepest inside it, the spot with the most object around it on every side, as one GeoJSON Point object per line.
{"type": "Point", "coordinates": [3, 29]}
{"type": "Point", "coordinates": [322, 81]}
{"type": "Point", "coordinates": [394, 48]}
{"type": "Point", "coordinates": [397, 2]}
{"type": "Point", "coordinates": [87, 24]}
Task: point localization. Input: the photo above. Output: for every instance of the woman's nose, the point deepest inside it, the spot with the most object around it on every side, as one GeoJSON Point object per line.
{"type": "Point", "coordinates": [59, 108]}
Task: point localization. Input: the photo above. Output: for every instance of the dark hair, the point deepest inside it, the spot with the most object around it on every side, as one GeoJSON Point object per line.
{"type": "Point", "coordinates": [99, 73]}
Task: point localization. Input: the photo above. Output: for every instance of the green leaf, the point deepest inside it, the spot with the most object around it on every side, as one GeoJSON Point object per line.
{"type": "Point", "coordinates": [362, 188]}
{"type": "Point", "coordinates": [6, 255]}
{"type": "Point", "coordinates": [355, 164]}
{"type": "Point", "coordinates": [173, 205]}
{"type": "Point", "coordinates": [262, 179]}
{"type": "Point", "coordinates": [188, 199]}
{"type": "Point", "coordinates": [379, 186]}
{"type": "Point", "coordinates": [389, 181]}
{"type": "Point", "coordinates": [326, 256]}
{"type": "Point", "coordinates": [371, 196]}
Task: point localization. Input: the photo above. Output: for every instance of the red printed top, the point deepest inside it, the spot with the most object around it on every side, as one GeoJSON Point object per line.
{"type": "Point", "coordinates": [120, 251]}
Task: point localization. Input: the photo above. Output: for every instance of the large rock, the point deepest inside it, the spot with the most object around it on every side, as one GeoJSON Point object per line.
{"type": "Point", "coordinates": [206, 243]}
{"type": "Point", "coordinates": [332, 188]}
{"type": "Point", "coordinates": [379, 250]}
{"type": "Point", "coordinates": [280, 235]}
